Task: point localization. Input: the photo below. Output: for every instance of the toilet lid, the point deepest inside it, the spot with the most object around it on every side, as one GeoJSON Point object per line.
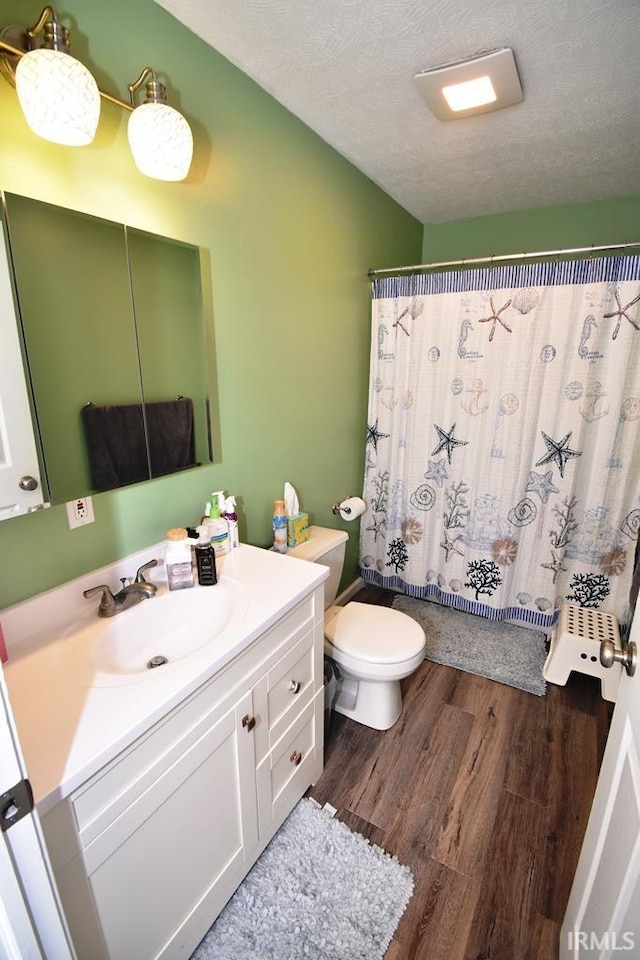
{"type": "Point", "coordinates": [376, 634]}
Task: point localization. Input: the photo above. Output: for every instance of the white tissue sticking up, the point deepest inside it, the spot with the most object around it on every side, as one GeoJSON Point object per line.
{"type": "Point", "coordinates": [352, 508]}
{"type": "Point", "coordinates": [291, 504]}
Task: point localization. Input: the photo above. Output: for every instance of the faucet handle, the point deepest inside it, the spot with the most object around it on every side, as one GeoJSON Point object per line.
{"type": "Point", "coordinates": [140, 577]}
{"type": "Point", "coordinates": [108, 601]}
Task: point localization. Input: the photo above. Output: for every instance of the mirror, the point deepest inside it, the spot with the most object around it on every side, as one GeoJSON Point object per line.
{"type": "Point", "coordinates": [113, 335]}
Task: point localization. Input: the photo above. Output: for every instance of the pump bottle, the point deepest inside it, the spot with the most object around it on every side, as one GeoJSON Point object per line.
{"type": "Point", "coordinates": [231, 517]}
{"type": "Point", "coordinates": [205, 558]}
{"type": "Point", "coordinates": [218, 526]}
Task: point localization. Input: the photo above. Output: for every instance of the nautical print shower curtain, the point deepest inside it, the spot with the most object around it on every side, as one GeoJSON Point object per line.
{"type": "Point", "coordinates": [502, 472]}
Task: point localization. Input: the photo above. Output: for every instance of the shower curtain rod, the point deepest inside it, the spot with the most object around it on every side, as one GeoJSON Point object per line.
{"type": "Point", "coordinates": [505, 256]}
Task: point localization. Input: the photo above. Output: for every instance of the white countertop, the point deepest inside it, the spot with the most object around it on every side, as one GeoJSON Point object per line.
{"type": "Point", "coordinates": [70, 728]}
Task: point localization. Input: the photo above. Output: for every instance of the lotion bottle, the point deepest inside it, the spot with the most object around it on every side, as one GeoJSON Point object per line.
{"type": "Point", "coordinates": [218, 526]}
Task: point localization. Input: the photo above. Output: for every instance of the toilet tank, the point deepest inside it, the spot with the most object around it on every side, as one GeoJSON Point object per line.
{"type": "Point", "coordinates": [326, 547]}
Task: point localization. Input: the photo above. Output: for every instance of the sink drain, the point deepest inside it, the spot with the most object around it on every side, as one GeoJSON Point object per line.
{"type": "Point", "coordinates": [158, 661]}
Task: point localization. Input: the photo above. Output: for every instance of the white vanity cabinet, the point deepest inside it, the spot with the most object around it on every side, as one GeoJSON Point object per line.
{"type": "Point", "coordinates": [148, 851]}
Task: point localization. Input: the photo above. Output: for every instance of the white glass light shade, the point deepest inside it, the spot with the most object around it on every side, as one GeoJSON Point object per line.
{"type": "Point", "coordinates": [161, 141]}
{"type": "Point", "coordinates": [59, 97]}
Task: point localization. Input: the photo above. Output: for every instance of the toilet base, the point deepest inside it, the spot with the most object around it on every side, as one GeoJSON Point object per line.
{"type": "Point", "coordinates": [374, 703]}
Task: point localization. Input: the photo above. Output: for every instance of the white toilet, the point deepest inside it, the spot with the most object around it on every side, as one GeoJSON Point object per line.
{"type": "Point", "coordinates": [375, 647]}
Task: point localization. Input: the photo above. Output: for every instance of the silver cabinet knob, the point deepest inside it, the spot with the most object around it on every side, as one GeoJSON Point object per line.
{"type": "Point", "coordinates": [28, 483]}
{"type": "Point", "coordinates": [628, 656]}
{"type": "Point", "coordinates": [294, 686]}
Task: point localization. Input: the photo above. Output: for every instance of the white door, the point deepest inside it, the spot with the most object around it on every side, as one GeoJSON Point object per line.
{"type": "Point", "coordinates": [603, 913]}
{"type": "Point", "coordinates": [18, 456]}
{"type": "Point", "coordinates": [32, 925]}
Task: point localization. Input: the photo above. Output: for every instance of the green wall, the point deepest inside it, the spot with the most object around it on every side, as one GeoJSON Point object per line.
{"type": "Point", "coordinates": [288, 229]}
{"type": "Point", "coordinates": [546, 228]}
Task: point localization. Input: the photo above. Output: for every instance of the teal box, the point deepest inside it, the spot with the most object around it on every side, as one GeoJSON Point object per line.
{"type": "Point", "coordinates": [297, 529]}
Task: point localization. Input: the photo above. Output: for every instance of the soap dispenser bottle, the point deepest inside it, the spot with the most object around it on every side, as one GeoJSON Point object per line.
{"type": "Point", "coordinates": [205, 558]}
{"type": "Point", "coordinates": [218, 526]}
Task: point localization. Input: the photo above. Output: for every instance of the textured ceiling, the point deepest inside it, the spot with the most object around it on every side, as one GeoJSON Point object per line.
{"type": "Point", "coordinates": [346, 68]}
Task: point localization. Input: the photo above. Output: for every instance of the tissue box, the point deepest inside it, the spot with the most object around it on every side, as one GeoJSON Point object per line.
{"type": "Point", "coordinates": [297, 529]}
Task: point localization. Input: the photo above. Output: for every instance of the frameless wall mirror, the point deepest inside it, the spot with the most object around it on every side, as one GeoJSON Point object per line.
{"type": "Point", "coordinates": [113, 336]}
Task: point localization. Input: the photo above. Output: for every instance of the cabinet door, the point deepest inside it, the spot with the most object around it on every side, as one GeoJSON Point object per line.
{"type": "Point", "coordinates": [190, 837]}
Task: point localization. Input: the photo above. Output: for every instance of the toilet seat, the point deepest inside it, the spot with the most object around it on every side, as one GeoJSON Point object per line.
{"type": "Point", "coordinates": [373, 634]}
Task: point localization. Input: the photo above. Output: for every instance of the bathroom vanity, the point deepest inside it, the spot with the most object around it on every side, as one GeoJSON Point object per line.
{"type": "Point", "coordinates": [158, 789]}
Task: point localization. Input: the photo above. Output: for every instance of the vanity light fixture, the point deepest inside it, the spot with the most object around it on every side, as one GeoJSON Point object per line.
{"type": "Point", "coordinates": [160, 138]}
{"type": "Point", "coordinates": [61, 100]}
{"type": "Point", "coordinates": [465, 88]}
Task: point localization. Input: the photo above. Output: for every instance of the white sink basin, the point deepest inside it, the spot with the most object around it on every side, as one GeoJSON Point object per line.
{"type": "Point", "coordinates": [162, 630]}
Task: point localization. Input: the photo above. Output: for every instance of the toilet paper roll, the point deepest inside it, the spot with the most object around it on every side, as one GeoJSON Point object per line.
{"type": "Point", "coordinates": [352, 507]}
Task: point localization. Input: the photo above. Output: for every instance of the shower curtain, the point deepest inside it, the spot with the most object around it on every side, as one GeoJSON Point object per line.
{"type": "Point", "coordinates": [502, 469]}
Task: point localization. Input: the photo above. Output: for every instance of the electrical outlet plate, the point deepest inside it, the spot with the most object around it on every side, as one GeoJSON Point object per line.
{"type": "Point", "coordinates": [80, 512]}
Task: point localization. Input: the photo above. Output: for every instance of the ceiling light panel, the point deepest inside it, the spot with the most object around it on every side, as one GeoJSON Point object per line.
{"type": "Point", "coordinates": [465, 88]}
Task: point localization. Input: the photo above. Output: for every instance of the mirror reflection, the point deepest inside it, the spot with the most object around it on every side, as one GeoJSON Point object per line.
{"type": "Point", "coordinates": [113, 334]}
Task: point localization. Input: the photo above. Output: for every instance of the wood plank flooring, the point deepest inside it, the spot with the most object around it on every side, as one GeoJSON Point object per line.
{"type": "Point", "coordinates": [484, 791]}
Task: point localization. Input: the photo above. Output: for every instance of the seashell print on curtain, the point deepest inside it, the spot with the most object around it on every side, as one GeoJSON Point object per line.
{"type": "Point", "coordinates": [502, 464]}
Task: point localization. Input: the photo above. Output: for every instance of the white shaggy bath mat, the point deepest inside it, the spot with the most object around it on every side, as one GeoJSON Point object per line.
{"type": "Point", "coordinates": [318, 891]}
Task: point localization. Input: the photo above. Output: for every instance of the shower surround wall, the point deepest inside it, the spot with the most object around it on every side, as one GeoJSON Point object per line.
{"type": "Point", "coordinates": [503, 414]}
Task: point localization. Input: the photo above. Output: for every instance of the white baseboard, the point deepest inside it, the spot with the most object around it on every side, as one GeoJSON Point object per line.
{"type": "Point", "coordinates": [351, 590]}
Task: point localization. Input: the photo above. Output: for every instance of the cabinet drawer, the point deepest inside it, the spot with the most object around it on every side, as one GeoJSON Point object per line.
{"type": "Point", "coordinates": [294, 763]}
{"type": "Point", "coordinates": [289, 687]}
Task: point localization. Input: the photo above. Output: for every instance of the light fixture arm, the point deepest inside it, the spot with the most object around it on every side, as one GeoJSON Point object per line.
{"type": "Point", "coordinates": [56, 37]}
{"type": "Point", "coordinates": [156, 92]}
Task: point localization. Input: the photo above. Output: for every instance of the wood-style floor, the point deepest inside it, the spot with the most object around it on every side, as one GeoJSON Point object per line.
{"type": "Point", "coordinates": [484, 792]}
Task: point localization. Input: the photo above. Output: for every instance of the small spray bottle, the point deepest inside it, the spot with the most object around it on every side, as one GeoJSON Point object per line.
{"type": "Point", "coordinates": [231, 516]}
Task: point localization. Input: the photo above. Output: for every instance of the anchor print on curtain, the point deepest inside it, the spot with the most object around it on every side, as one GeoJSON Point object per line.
{"type": "Point", "coordinates": [502, 465]}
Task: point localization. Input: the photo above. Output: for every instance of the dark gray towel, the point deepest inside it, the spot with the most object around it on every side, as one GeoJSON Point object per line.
{"type": "Point", "coordinates": [116, 445]}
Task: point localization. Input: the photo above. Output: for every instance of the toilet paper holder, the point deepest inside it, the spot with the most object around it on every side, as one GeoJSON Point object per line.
{"type": "Point", "coordinates": [350, 508]}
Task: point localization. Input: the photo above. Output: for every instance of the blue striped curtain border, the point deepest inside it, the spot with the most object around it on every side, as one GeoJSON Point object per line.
{"type": "Point", "coordinates": [432, 591]}
{"type": "Point", "coordinates": [555, 273]}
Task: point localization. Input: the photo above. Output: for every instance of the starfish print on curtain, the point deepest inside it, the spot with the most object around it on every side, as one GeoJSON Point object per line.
{"type": "Point", "coordinates": [496, 318]}
{"type": "Point", "coordinates": [622, 312]}
{"type": "Point", "coordinates": [447, 442]}
{"type": "Point", "coordinates": [558, 452]}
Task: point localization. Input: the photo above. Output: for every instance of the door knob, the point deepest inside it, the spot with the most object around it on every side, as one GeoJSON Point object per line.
{"type": "Point", "coordinates": [628, 656]}
{"type": "Point", "coordinates": [28, 483]}
{"type": "Point", "coordinates": [248, 722]}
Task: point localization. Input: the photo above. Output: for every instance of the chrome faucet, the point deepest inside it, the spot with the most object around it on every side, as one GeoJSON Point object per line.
{"type": "Point", "coordinates": [128, 596]}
